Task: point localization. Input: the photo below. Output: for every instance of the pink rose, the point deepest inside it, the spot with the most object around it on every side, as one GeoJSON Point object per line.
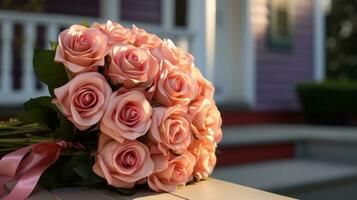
{"type": "Point", "coordinates": [204, 151]}
{"type": "Point", "coordinates": [170, 128]}
{"type": "Point", "coordinates": [122, 164]}
{"type": "Point", "coordinates": [175, 86]}
{"type": "Point", "coordinates": [206, 120]}
{"type": "Point", "coordinates": [132, 66]}
{"type": "Point", "coordinates": [128, 116]}
{"type": "Point", "coordinates": [116, 33]}
{"type": "Point", "coordinates": [144, 39]}
{"type": "Point", "coordinates": [176, 56]}
{"type": "Point", "coordinates": [205, 87]}
{"type": "Point", "coordinates": [178, 172]}
{"type": "Point", "coordinates": [160, 155]}
{"type": "Point", "coordinates": [83, 99]}
{"type": "Point", "coordinates": [146, 93]}
{"type": "Point", "coordinates": [81, 49]}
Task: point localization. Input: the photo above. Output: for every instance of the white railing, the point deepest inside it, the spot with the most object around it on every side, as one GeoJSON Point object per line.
{"type": "Point", "coordinates": [52, 24]}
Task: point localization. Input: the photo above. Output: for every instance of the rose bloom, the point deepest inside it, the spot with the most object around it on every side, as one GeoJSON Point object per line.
{"type": "Point", "coordinates": [175, 55]}
{"type": "Point", "coordinates": [81, 49]}
{"type": "Point", "coordinates": [132, 67]}
{"type": "Point", "coordinates": [128, 116]}
{"type": "Point", "coordinates": [204, 151]}
{"type": "Point", "coordinates": [174, 86]}
{"type": "Point", "coordinates": [116, 33]}
{"type": "Point", "coordinates": [147, 93]}
{"type": "Point", "coordinates": [178, 172]}
{"type": "Point", "coordinates": [122, 164]}
{"type": "Point", "coordinates": [160, 155]}
{"type": "Point", "coordinates": [206, 120]}
{"type": "Point", "coordinates": [83, 99]}
{"type": "Point", "coordinates": [205, 87]}
{"type": "Point", "coordinates": [170, 128]}
{"type": "Point", "coordinates": [145, 39]}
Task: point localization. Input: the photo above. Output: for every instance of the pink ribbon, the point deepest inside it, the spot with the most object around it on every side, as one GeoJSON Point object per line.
{"type": "Point", "coordinates": [26, 166]}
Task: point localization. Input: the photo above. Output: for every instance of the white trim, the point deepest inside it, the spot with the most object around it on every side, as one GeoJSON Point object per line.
{"type": "Point", "coordinates": [6, 58]}
{"type": "Point", "coordinates": [28, 84]}
{"type": "Point", "coordinates": [167, 14]}
{"type": "Point", "coordinates": [319, 41]}
{"type": "Point", "coordinates": [110, 9]}
{"type": "Point", "coordinates": [52, 24]}
{"type": "Point", "coordinates": [202, 19]}
{"type": "Point", "coordinates": [249, 57]}
{"type": "Point", "coordinates": [68, 20]}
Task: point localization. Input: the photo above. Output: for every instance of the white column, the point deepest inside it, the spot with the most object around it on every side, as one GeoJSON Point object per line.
{"type": "Point", "coordinates": [6, 57]}
{"type": "Point", "coordinates": [202, 22]}
{"type": "Point", "coordinates": [28, 84]}
{"type": "Point", "coordinates": [249, 55]}
{"type": "Point", "coordinates": [52, 30]}
{"type": "Point", "coordinates": [167, 14]}
{"type": "Point", "coordinates": [319, 40]}
{"type": "Point", "coordinates": [51, 34]}
{"type": "Point", "coordinates": [110, 9]}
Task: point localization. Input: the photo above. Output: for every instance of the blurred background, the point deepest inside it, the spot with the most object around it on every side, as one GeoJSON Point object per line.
{"type": "Point", "coordinates": [285, 73]}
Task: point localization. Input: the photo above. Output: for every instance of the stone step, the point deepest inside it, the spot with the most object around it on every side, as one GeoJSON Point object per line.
{"type": "Point", "coordinates": [270, 133]}
{"type": "Point", "coordinates": [269, 142]}
{"type": "Point", "coordinates": [290, 176]}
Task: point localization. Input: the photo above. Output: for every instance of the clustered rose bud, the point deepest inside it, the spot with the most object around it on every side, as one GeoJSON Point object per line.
{"type": "Point", "coordinates": [157, 120]}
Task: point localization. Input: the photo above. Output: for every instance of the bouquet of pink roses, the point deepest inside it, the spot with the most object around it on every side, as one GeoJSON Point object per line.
{"type": "Point", "coordinates": [127, 108]}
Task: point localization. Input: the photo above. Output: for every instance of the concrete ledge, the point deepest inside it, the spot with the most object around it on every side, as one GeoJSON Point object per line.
{"type": "Point", "coordinates": [287, 174]}
{"type": "Point", "coordinates": [259, 134]}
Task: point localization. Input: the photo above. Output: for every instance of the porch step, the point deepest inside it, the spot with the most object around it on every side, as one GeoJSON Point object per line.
{"type": "Point", "coordinates": [247, 144]}
{"type": "Point", "coordinates": [290, 176]}
{"type": "Point", "coordinates": [270, 133]}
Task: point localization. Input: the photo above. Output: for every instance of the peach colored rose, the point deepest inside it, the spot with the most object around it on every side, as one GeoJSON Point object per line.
{"type": "Point", "coordinates": [178, 172]}
{"type": "Point", "coordinates": [170, 128]}
{"type": "Point", "coordinates": [204, 151]}
{"type": "Point", "coordinates": [160, 155]}
{"type": "Point", "coordinates": [132, 66]}
{"type": "Point", "coordinates": [205, 87]}
{"type": "Point", "coordinates": [122, 164]}
{"type": "Point", "coordinates": [174, 86]}
{"type": "Point", "coordinates": [206, 120]}
{"type": "Point", "coordinates": [81, 49]}
{"type": "Point", "coordinates": [144, 39]}
{"type": "Point", "coordinates": [116, 33]}
{"type": "Point", "coordinates": [175, 55]}
{"type": "Point", "coordinates": [83, 99]}
{"type": "Point", "coordinates": [128, 116]}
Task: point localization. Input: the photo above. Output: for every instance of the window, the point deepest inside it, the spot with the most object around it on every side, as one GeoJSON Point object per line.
{"type": "Point", "coordinates": [280, 31]}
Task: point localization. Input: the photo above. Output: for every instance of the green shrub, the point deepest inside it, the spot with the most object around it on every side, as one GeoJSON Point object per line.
{"type": "Point", "coordinates": [328, 102]}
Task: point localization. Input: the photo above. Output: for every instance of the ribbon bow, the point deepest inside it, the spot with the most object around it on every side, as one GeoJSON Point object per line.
{"type": "Point", "coordinates": [26, 166]}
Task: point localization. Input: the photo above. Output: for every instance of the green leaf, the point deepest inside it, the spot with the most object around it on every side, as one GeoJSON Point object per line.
{"type": "Point", "coordinates": [53, 45]}
{"type": "Point", "coordinates": [84, 170]}
{"type": "Point", "coordinates": [47, 70]}
{"type": "Point", "coordinates": [66, 130]}
{"type": "Point", "coordinates": [51, 179]}
{"type": "Point", "coordinates": [39, 102]}
{"type": "Point", "coordinates": [44, 116]}
{"type": "Point", "coordinates": [79, 169]}
{"type": "Point", "coordinates": [85, 23]}
{"type": "Point", "coordinates": [67, 171]}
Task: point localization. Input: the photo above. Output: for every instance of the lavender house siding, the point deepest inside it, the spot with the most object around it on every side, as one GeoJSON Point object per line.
{"type": "Point", "coordinates": [278, 71]}
{"type": "Point", "coordinates": [148, 11]}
